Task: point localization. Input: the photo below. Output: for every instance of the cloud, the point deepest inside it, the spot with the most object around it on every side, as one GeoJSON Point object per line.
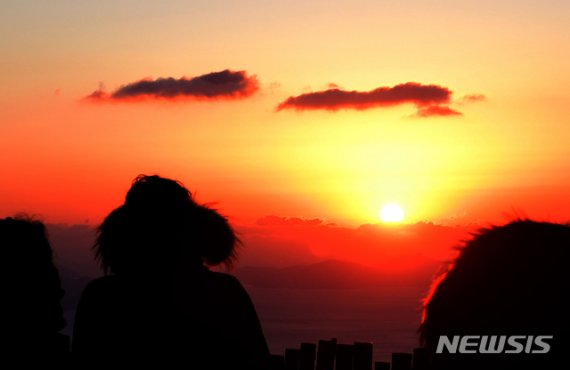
{"type": "Point", "coordinates": [97, 95]}
{"type": "Point", "coordinates": [212, 86]}
{"type": "Point", "coordinates": [436, 110]}
{"type": "Point", "coordinates": [334, 99]}
{"type": "Point", "coordinates": [474, 98]}
{"type": "Point", "coordinates": [288, 221]}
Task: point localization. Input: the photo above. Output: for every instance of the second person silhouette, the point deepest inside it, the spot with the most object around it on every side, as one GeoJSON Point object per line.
{"type": "Point", "coordinates": [159, 303]}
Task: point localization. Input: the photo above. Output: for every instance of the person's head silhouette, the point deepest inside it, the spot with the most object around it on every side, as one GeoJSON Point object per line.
{"type": "Point", "coordinates": [32, 314]}
{"type": "Point", "coordinates": [507, 281]}
{"type": "Point", "coordinates": [159, 226]}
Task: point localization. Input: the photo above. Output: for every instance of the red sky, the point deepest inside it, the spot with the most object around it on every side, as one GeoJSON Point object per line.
{"type": "Point", "coordinates": [312, 122]}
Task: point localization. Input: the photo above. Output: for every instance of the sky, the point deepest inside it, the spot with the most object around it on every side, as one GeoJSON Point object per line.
{"type": "Point", "coordinates": [328, 110]}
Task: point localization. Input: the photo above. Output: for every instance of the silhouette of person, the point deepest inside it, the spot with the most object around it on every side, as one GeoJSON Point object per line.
{"type": "Point", "coordinates": [159, 303]}
{"type": "Point", "coordinates": [32, 315]}
{"type": "Point", "coordinates": [507, 281]}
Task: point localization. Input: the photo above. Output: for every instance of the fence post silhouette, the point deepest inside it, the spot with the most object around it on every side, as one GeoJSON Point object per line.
{"type": "Point", "coordinates": [326, 354]}
{"type": "Point", "coordinates": [382, 366]}
{"type": "Point", "coordinates": [420, 360]}
{"type": "Point", "coordinates": [401, 361]}
{"type": "Point", "coordinates": [307, 356]}
{"type": "Point", "coordinates": [277, 362]}
{"type": "Point", "coordinates": [344, 357]}
{"type": "Point", "coordinates": [358, 356]}
{"type": "Point", "coordinates": [362, 356]}
{"type": "Point", "coordinates": [292, 359]}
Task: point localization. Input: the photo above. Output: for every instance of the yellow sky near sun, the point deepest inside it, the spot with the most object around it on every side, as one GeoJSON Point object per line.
{"type": "Point", "coordinates": [341, 166]}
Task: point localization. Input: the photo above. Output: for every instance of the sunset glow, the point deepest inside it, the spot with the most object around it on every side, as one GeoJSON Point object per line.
{"type": "Point", "coordinates": [338, 155]}
{"type": "Point", "coordinates": [456, 109]}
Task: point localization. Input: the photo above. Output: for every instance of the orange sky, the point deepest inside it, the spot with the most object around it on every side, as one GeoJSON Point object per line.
{"type": "Point", "coordinates": [71, 161]}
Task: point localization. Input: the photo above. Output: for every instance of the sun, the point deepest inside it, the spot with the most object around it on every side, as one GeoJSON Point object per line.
{"type": "Point", "coordinates": [392, 212]}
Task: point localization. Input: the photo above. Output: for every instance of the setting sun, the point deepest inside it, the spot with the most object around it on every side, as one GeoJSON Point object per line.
{"type": "Point", "coordinates": [391, 212]}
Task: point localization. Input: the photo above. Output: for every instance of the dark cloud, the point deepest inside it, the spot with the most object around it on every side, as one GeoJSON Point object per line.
{"type": "Point", "coordinates": [437, 110]}
{"type": "Point", "coordinates": [216, 85]}
{"type": "Point", "coordinates": [334, 98]}
{"type": "Point", "coordinates": [97, 95]}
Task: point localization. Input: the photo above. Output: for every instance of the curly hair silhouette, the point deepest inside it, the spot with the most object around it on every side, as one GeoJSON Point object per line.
{"type": "Point", "coordinates": [158, 223]}
{"type": "Point", "coordinates": [508, 280]}
{"type": "Point", "coordinates": [32, 315]}
{"type": "Point", "coordinates": [159, 302]}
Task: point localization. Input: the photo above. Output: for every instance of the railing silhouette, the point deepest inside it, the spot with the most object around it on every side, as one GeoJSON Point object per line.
{"type": "Point", "coordinates": [329, 355]}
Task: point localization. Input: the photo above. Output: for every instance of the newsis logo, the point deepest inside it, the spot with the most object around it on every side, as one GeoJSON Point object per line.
{"type": "Point", "coordinates": [482, 344]}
